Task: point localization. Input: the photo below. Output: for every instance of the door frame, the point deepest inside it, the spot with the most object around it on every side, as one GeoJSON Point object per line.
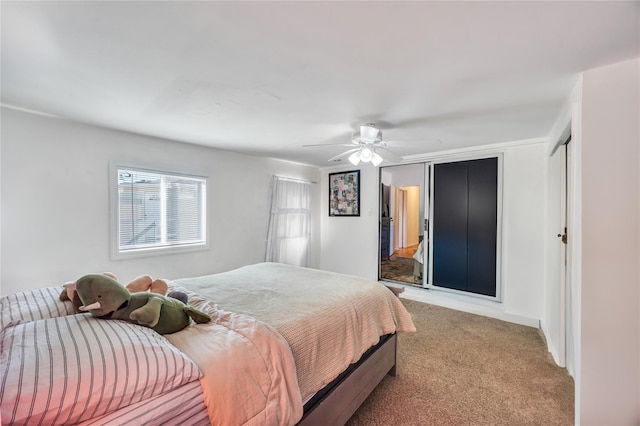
{"type": "Point", "coordinates": [569, 307]}
{"type": "Point", "coordinates": [401, 183]}
{"type": "Point", "coordinates": [565, 344]}
{"type": "Point", "coordinates": [401, 217]}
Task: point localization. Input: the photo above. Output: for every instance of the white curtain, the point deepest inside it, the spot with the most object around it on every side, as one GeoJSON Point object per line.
{"type": "Point", "coordinates": [289, 234]}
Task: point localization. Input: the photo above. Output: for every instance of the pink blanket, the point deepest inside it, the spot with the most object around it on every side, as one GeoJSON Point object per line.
{"type": "Point", "coordinates": [249, 372]}
{"type": "Point", "coordinates": [328, 319]}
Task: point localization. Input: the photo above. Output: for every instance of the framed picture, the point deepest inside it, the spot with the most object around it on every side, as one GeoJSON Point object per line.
{"type": "Point", "coordinates": [344, 193]}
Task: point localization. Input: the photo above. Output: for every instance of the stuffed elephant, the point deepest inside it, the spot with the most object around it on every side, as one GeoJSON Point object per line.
{"type": "Point", "coordinates": [106, 298]}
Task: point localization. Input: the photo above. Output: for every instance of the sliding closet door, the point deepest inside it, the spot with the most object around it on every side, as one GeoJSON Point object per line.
{"type": "Point", "coordinates": [482, 226]}
{"type": "Point", "coordinates": [450, 206]}
{"type": "Point", "coordinates": [465, 220]}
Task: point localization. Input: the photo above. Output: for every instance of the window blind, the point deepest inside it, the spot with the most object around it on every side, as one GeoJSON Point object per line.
{"type": "Point", "coordinates": [158, 210]}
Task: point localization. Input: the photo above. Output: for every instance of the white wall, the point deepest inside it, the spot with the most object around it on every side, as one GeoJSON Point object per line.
{"type": "Point", "coordinates": [55, 202]}
{"type": "Point", "coordinates": [608, 385]}
{"type": "Point", "coordinates": [523, 230]}
{"type": "Point", "coordinates": [350, 245]}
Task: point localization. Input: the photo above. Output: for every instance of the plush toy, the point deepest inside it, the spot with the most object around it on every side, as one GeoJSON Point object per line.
{"type": "Point", "coordinates": [106, 298]}
{"type": "Point", "coordinates": [158, 286]}
{"type": "Point", "coordinates": [69, 293]}
{"type": "Point", "coordinates": [146, 283]}
{"type": "Point", "coordinates": [139, 284]}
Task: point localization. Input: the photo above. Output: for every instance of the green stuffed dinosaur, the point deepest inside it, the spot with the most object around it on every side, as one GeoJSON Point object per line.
{"type": "Point", "coordinates": [106, 298]}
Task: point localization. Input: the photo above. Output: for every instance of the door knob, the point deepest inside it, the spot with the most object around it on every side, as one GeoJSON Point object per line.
{"type": "Point", "coordinates": [563, 237]}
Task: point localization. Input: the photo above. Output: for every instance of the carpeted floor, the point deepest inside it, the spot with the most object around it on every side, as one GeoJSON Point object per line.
{"type": "Point", "coordinates": [465, 369]}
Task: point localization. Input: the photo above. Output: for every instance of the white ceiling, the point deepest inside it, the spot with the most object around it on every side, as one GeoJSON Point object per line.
{"type": "Point", "coordinates": [265, 78]}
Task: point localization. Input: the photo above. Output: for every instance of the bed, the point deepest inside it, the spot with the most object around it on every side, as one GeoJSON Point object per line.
{"type": "Point", "coordinates": [286, 346]}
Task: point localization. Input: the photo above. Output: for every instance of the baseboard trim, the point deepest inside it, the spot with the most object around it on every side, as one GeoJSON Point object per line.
{"type": "Point", "coordinates": [555, 354]}
{"type": "Point", "coordinates": [466, 304]}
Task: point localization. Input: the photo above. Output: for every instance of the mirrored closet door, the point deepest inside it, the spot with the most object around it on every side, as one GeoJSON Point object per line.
{"type": "Point", "coordinates": [440, 225]}
{"type": "Point", "coordinates": [403, 213]}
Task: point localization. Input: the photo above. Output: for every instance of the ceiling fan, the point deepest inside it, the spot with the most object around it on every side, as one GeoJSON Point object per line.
{"type": "Point", "coordinates": [368, 146]}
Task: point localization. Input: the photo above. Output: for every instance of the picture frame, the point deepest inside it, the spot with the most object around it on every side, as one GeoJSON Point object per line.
{"type": "Point", "coordinates": [344, 193]}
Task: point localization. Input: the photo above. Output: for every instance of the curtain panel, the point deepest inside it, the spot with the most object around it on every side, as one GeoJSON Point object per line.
{"type": "Point", "coordinates": [289, 234]}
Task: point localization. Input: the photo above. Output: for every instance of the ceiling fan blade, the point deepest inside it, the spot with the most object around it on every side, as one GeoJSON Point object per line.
{"type": "Point", "coordinates": [344, 154]}
{"type": "Point", "coordinates": [389, 155]}
{"type": "Point", "coordinates": [327, 144]}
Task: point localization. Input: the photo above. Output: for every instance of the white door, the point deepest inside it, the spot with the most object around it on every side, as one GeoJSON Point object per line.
{"type": "Point", "coordinates": [555, 287]}
{"type": "Point", "coordinates": [568, 285]}
{"type": "Point", "coordinates": [558, 324]}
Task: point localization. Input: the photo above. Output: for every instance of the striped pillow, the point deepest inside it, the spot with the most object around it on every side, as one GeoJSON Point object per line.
{"type": "Point", "coordinates": [72, 368]}
{"type": "Point", "coordinates": [33, 305]}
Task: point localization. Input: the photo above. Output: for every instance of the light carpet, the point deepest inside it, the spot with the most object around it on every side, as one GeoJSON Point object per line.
{"type": "Point", "coordinates": [465, 369]}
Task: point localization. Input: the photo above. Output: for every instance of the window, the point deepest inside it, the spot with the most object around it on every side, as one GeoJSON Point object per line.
{"type": "Point", "coordinates": [158, 211]}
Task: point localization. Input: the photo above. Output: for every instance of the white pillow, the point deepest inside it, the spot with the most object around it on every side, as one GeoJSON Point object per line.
{"type": "Point", "coordinates": [76, 367]}
{"type": "Point", "coordinates": [33, 305]}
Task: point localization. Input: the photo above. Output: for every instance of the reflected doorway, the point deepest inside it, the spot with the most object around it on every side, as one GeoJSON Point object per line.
{"type": "Point", "coordinates": [402, 213]}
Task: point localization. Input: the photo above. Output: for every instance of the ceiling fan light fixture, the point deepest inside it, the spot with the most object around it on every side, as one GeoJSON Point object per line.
{"type": "Point", "coordinates": [365, 146]}
{"type": "Point", "coordinates": [376, 159]}
{"type": "Point", "coordinates": [365, 154]}
{"type": "Point", "coordinates": [355, 158]}
{"type": "Point", "coordinates": [369, 132]}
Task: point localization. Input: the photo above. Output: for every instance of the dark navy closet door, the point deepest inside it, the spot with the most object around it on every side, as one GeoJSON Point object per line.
{"type": "Point", "coordinates": [450, 204]}
{"type": "Point", "coordinates": [465, 217]}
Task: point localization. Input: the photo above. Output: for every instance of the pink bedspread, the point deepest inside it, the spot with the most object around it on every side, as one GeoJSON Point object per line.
{"type": "Point", "coordinates": [249, 372]}
{"type": "Point", "coordinates": [328, 319]}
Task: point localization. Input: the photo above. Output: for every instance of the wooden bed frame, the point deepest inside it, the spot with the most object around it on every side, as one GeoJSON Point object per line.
{"type": "Point", "coordinates": [336, 402]}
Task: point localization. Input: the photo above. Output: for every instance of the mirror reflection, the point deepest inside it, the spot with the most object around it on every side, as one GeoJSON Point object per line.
{"type": "Point", "coordinates": [402, 223]}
